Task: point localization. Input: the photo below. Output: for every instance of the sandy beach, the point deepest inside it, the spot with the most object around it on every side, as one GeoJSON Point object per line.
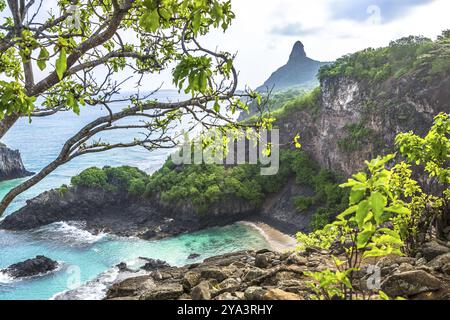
{"type": "Point", "coordinates": [278, 240]}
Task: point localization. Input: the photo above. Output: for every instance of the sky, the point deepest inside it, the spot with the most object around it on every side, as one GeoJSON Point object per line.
{"type": "Point", "coordinates": [265, 30]}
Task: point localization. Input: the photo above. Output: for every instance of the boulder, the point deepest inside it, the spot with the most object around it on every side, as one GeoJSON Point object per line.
{"type": "Point", "coordinates": [262, 261]}
{"type": "Point", "coordinates": [191, 279]}
{"type": "Point", "coordinates": [123, 267]}
{"type": "Point", "coordinates": [213, 273]}
{"type": "Point", "coordinates": [254, 274]}
{"type": "Point", "coordinates": [131, 287]}
{"type": "Point", "coordinates": [441, 264]}
{"type": "Point", "coordinates": [31, 267]}
{"type": "Point", "coordinates": [410, 283]}
{"type": "Point", "coordinates": [254, 293]}
{"type": "Point", "coordinates": [278, 294]}
{"type": "Point", "coordinates": [163, 291]}
{"type": "Point", "coordinates": [202, 291]}
{"type": "Point", "coordinates": [433, 249]}
{"type": "Point", "coordinates": [229, 285]}
{"type": "Point", "coordinates": [193, 256]}
{"type": "Point", "coordinates": [297, 259]}
{"type": "Point", "coordinates": [154, 264]}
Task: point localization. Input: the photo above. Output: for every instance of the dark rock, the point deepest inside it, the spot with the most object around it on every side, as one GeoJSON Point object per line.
{"type": "Point", "coordinates": [149, 235]}
{"type": "Point", "coordinates": [11, 165]}
{"type": "Point", "coordinates": [433, 249]}
{"type": "Point", "coordinates": [31, 267]}
{"type": "Point", "coordinates": [193, 256]}
{"type": "Point", "coordinates": [255, 293]}
{"type": "Point", "coordinates": [262, 261]}
{"type": "Point", "coordinates": [123, 267]}
{"type": "Point", "coordinates": [154, 264]}
{"type": "Point", "coordinates": [441, 263]}
{"type": "Point", "coordinates": [410, 283]}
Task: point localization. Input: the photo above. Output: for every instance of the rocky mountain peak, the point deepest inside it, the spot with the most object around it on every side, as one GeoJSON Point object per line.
{"type": "Point", "coordinates": [298, 52]}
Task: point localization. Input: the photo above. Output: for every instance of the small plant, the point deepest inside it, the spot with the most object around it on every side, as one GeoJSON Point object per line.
{"type": "Point", "coordinates": [388, 211]}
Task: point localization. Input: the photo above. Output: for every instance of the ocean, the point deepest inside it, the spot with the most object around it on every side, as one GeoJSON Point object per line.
{"type": "Point", "coordinates": [87, 261]}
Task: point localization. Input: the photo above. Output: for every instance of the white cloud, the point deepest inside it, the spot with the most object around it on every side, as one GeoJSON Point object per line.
{"type": "Point", "coordinates": [261, 52]}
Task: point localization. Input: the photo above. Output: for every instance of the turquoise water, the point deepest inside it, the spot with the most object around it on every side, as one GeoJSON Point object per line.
{"type": "Point", "coordinates": [84, 256]}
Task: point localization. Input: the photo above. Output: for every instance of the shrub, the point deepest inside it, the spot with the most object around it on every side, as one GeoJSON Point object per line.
{"type": "Point", "coordinates": [356, 137]}
{"type": "Point", "coordinates": [91, 178]}
{"type": "Point", "coordinates": [403, 56]}
{"type": "Point", "coordinates": [303, 203]}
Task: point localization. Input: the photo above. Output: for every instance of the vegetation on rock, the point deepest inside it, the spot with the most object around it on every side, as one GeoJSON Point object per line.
{"type": "Point", "coordinates": [401, 57]}
{"type": "Point", "coordinates": [389, 212]}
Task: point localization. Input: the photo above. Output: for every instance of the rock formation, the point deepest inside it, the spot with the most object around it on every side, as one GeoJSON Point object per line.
{"type": "Point", "coordinates": [39, 265]}
{"type": "Point", "coordinates": [267, 275]}
{"type": "Point", "coordinates": [299, 72]}
{"type": "Point", "coordinates": [11, 165]}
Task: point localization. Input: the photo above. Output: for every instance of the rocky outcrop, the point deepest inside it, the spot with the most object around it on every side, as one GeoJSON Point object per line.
{"type": "Point", "coordinates": [11, 165]}
{"type": "Point", "coordinates": [299, 71]}
{"type": "Point", "coordinates": [267, 275]}
{"type": "Point", "coordinates": [31, 267]}
{"type": "Point", "coordinates": [119, 213]}
{"type": "Point", "coordinates": [385, 109]}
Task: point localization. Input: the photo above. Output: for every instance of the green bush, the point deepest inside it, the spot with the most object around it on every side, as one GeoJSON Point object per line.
{"type": "Point", "coordinates": [303, 203]}
{"type": "Point", "coordinates": [91, 178]}
{"type": "Point", "coordinates": [356, 137]}
{"type": "Point", "coordinates": [320, 219]}
{"type": "Point", "coordinates": [401, 57]}
{"type": "Point", "coordinates": [137, 187]}
{"type": "Point", "coordinates": [112, 179]}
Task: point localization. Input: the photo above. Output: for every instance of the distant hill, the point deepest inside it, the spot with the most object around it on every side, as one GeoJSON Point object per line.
{"type": "Point", "coordinates": [299, 72]}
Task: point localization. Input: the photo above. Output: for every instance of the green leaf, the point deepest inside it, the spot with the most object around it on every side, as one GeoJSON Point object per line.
{"type": "Point", "coordinates": [61, 64]}
{"type": "Point", "coordinates": [364, 238]}
{"type": "Point", "coordinates": [356, 196]}
{"type": "Point", "coordinates": [361, 212]}
{"type": "Point", "coordinates": [42, 58]}
{"type": "Point", "coordinates": [378, 203]}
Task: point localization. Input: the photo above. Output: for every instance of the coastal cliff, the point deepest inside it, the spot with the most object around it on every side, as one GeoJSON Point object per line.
{"type": "Point", "coordinates": [11, 165]}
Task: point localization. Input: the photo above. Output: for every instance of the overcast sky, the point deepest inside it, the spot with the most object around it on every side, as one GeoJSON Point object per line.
{"type": "Point", "coordinates": [265, 30]}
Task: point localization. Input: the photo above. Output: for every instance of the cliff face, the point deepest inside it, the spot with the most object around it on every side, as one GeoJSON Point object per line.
{"type": "Point", "coordinates": [300, 71]}
{"type": "Point", "coordinates": [377, 113]}
{"type": "Point", "coordinates": [11, 166]}
{"type": "Point", "coordinates": [359, 120]}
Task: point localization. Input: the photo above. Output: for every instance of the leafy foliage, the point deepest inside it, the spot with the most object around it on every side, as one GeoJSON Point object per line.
{"type": "Point", "coordinates": [113, 179]}
{"type": "Point", "coordinates": [356, 137]}
{"type": "Point", "coordinates": [388, 211]}
{"type": "Point", "coordinates": [401, 57]}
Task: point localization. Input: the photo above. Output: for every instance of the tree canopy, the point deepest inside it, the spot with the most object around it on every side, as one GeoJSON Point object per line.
{"type": "Point", "coordinates": [77, 58]}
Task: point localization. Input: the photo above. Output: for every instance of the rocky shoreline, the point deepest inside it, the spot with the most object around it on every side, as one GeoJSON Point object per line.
{"type": "Point", "coordinates": [11, 165]}
{"type": "Point", "coordinates": [121, 214]}
{"type": "Point", "coordinates": [269, 275]}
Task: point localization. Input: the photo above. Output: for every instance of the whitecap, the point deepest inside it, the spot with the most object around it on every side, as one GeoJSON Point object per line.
{"type": "Point", "coordinates": [6, 278]}
{"type": "Point", "coordinates": [69, 233]}
{"type": "Point", "coordinates": [97, 288]}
